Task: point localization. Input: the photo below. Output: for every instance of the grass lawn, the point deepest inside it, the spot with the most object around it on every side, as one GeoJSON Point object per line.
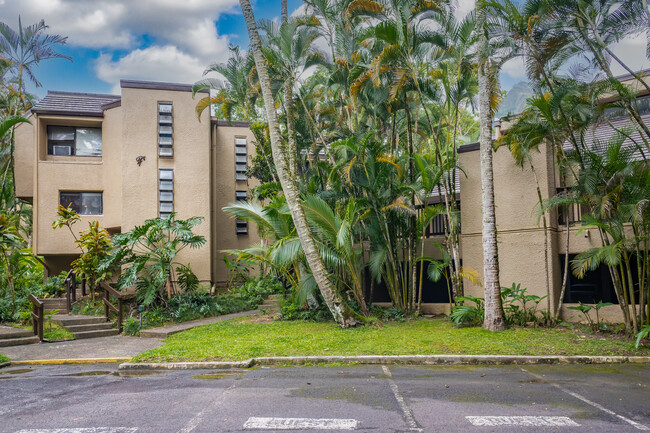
{"type": "Point", "coordinates": [52, 331]}
{"type": "Point", "coordinates": [3, 358]}
{"type": "Point", "coordinates": [241, 339]}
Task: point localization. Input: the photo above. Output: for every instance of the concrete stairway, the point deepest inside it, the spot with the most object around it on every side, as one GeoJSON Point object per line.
{"type": "Point", "coordinates": [85, 326]}
{"type": "Point", "coordinates": [53, 304]}
{"type": "Point", "coordinates": [271, 304]}
{"type": "Point", "coordinates": [16, 336]}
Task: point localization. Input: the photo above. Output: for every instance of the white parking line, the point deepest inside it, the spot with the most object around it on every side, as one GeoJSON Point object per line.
{"type": "Point", "coordinates": [300, 424]}
{"type": "Point", "coordinates": [83, 430]}
{"type": "Point", "coordinates": [591, 403]}
{"type": "Point", "coordinates": [408, 415]}
{"type": "Point", "coordinates": [528, 421]}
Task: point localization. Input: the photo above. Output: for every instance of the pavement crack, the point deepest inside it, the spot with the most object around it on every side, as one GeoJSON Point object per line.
{"type": "Point", "coordinates": [406, 411]}
{"type": "Point", "coordinates": [198, 418]}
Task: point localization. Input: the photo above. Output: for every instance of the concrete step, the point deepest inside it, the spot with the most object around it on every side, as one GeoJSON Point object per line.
{"type": "Point", "coordinates": [66, 320]}
{"type": "Point", "coordinates": [9, 332]}
{"type": "Point", "coordinates": [19, 341]}
{"type": "Point", "coordinates": [89, 327]}
{"type": "Point", "coordinates": [52, 304]}
{"type": "Point", "coordinates": [95, 334]}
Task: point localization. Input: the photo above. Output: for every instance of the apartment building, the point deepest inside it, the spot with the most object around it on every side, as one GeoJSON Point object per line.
{"type": "Point", "coordinates": [121, 159]}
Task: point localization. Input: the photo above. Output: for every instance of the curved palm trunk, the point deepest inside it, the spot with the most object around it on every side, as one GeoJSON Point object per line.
{"type": "Point", "coordinates": [340, 311]}
{"type": "Point", "coordinates": [494, 320]}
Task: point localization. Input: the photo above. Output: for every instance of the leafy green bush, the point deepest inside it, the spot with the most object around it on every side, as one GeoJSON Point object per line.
{"type": "Point", "coordinates": [198, 304]}
{"type": "Point", "coordinates": [258, 289]}
{"type": "Point", "coordinates": [644, 333]}
{"type": "Point", "coordinates": [585, 309]}
{"type": "Point", "coordinates": [466, 314]}
{"type": "Point", "coordinates": [4, 358]}
{"type": "Point", "coordinates": [519, 307]}
{"type": "Point", "coordinates": [88, 307]}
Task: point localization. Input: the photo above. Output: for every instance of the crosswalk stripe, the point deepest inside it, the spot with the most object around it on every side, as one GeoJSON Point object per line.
{"type": "Point", "coordinates": [83, 430]}
{"type": "Point", "coordinates": [528, 421]}
{"type": "Point", "coordinates": [259, 423]}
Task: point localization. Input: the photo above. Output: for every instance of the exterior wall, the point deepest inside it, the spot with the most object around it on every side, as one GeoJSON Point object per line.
{"type": "Point", "coordinates": [520, 236]}
{"type": "Point", "coordinates": [224, 230]}
{"type": "Point", "coordinates": [191, 165]}
{"type": "Point", "coordinates": [24, 159]}
{"type": "Point", "coordinates": [68, 173]}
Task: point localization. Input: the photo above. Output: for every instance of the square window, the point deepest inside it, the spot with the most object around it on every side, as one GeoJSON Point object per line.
{"type": "Point", "coordinates": [74, 141]}
{"type": "Point", "coordinates": [84, 203]}
{"type": "Point", "coordinates": [241, 195]}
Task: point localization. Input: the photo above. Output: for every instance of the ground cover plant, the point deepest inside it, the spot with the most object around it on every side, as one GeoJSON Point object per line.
{"type": "Point", "coordinates": [243, 338]}
{"type": "Point", "coordinates": [4, 358]}
{"type": "Point", "coordinates": [183, 307]}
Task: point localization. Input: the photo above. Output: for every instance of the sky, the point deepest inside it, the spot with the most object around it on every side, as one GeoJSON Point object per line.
{"type": "Point", "coordinates": [169, 40]}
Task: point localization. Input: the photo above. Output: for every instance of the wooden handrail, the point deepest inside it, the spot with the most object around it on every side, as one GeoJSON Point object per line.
{"type": "Point", "coordinates": [70, 289]}
{"type": "Point", "coordinates": [38, 316]}
{"type": "Point", "coordinates": [108, 305]}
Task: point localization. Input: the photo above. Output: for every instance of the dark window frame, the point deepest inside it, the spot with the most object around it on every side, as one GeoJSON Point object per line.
{"type": "Point", "coordinates": [72, 144]}
{"type": "Point", "coordinates": [77, 208]}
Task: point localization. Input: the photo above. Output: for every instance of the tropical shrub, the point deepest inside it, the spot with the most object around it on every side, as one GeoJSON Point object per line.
{"type": "Point", "coordinates": [147, 256]}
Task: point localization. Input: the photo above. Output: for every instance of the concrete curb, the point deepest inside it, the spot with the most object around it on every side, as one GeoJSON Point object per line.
{"type": "Point", "coordinates": [72, 361]}
{"type": "Point", "coordinates": [392, 359]}
{"type": "Point", "coordinates": [223, 365]}
{"type": "Point", "coordinates": [4, 364]}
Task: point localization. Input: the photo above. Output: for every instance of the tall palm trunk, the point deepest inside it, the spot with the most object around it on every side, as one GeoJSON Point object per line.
{"type": "Point", "coordinates": [340, 311]}
{"type": "Point", "coordinates": [494, 320]}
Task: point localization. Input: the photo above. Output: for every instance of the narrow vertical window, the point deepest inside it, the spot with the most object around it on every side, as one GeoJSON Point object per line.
{"type": "Point", "coordinates": [241, 225]}
{"type": "Point", "coordinates": [165, 192]}
{"type": "Point", "coordinates": [165, 130]}
{"type": "Point", "coordinates": [241, 159]}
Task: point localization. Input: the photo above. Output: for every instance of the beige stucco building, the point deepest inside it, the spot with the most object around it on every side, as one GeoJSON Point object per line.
{"type": "Point", "coordinates": [121, 159]}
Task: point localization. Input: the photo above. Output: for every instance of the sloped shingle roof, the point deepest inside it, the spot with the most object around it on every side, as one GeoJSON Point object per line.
{"type": "Point", "coordinates": [75, 104]}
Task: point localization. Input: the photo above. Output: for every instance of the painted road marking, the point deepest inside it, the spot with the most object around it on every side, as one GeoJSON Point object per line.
{"type": "Point", "coordinates": [408, 415]}
{"type": "Point", "coordinates": [300, 424]}
{"type": "Point", "coordinates": [529, 421]}
{"type": "Point", "coordinates": [83, 430]}
{"type": "Point", "coordinates": [198, 418]}
{"type": "Point", "coordinates": [592, 403]}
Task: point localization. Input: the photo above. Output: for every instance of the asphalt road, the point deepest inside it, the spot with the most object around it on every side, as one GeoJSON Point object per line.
{"type": "Point", "coordinates": [99, 399]}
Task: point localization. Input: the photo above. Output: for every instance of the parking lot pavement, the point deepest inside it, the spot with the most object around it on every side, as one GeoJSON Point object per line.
{"type": "Point", "coordinates": [99, 399]}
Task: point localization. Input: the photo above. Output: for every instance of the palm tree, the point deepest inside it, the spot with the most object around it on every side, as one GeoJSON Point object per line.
{"type": "Point", "coordinates": [27, 47]}
{"type": "Point", "coordinates": [494, 316]}
{"type": "Point", "coordinates": [23, 50]}
{"type": "Point", "coordinates": [340, 311]}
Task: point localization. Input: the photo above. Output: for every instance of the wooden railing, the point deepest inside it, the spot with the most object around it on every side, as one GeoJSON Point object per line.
{"type": "Point", "coordinates": [108, 306]}
{"type": "Point", "coordinates": [70, 289]}
{"type": "Point", "coordinates": [38, 316]}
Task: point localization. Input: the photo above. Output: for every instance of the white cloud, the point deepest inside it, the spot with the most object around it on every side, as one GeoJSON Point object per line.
{"type": "Point", "coordinates": [162, 63]}
{"type": "Point", "coordinates": [181, 35]}
{"type": "Point", "coordinates": [632, 52]}
{"type": "Point", "coordinates": [515, 68]}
